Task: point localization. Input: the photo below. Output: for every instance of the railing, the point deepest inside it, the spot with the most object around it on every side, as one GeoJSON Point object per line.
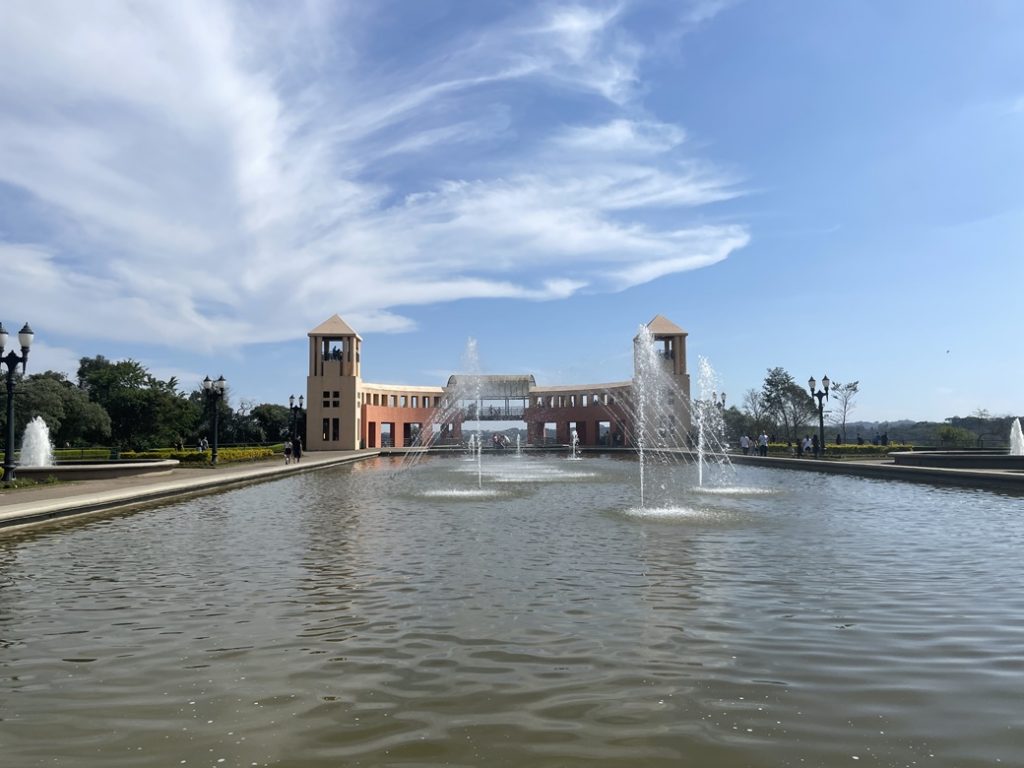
{"type": "Point", "coordinates": [493, 413]}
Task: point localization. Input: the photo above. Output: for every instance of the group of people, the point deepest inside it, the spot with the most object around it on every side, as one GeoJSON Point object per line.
{"type": "Point", "coordinates": [808, 445]}
{"type": "Point", "coordinates": [292, 449]}
{"type": "Point", "coordinates": [760, 444]}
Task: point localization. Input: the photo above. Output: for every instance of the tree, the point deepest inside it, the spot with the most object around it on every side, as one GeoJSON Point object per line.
{"type": "Point", "coordinates": [144, 411]}
{"type": "Point", "coordinates": [72, 419]}
{"type": "Point", "coordinates": [956, 437]}
{"type": "Point", "coordinates": [843, 395]}
{"type": "Point", "coordinates": [787, 403]}
{"type": "Point", "coordinates": [736, 424]}
{"type": "Point", "coordinates": [754, 407]}
{"type": "Point", "coordinates": [773, 394]}
{"type": "Point", "coordinates": [273, 420]}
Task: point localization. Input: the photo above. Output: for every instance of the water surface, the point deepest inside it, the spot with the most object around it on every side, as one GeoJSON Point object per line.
{"type": "Point", "coordinates": [368, 616]}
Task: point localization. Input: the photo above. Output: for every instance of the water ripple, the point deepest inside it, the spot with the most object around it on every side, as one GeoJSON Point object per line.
{"type": "Point", "coordinates": [364, 616]}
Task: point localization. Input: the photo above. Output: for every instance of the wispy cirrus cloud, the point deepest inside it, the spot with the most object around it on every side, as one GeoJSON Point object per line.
{"type": "Point", "coordinates": [203, 173]}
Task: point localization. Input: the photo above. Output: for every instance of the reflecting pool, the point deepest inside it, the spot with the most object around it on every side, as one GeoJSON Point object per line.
{"type": "Point", "coordinates": [412, 614]}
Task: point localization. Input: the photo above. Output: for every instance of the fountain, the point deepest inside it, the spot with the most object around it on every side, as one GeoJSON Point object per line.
{"type": "Point", "coordinates": [574, 447]}
{"type": "Point", "coordinates": [710, 424]}
{"type": "Point", "coordinates": [658, 430]}
{"type": "Point", "coordinates": [37, 460]}
{"type": "Point", "coordinates": [36, 449]}
{"type": "Point", "coordinates": [1016, 439]}
{"type": "Point", "coordinates": [667, 428]}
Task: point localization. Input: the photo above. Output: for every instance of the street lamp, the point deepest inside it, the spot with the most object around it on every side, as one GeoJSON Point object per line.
{"type": "Point", "coordinates": [822, 397]}
{"type": "Point", "coordinates": [12, 360]}
{"type": "Point", "coordinates": [214, 391]}
{"type": "Point", "coordinates": [295, 411]}
{"type": "Point", "coordinates": [718, 400]}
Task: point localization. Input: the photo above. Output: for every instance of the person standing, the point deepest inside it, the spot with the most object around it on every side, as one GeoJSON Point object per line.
{"type": "Point", "coordinates": [297, 448]}
{"type": "Point", "coordinates": [815, 448]}
{"type": "Point", "coordinates": [287, 450]}
{"type": "Point", "coordinates": [745, 444]}
{"type": "Point", "coordinates": [762, 443]}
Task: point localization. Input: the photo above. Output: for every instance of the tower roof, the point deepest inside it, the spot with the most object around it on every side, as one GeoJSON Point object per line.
{"type": "Point", "coordinates": [662, 326]}
{"type": "Point", "coordinates": [334, 326]}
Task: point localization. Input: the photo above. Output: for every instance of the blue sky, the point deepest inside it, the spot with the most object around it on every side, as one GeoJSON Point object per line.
{"type": "Point", "coordinates": [829, 187]}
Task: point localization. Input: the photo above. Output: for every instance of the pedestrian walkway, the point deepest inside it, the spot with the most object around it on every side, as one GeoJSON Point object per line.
{"type": "Point", "coordinates": [887, 469]}
{"type": "Point", "coordinates": [23, 506]}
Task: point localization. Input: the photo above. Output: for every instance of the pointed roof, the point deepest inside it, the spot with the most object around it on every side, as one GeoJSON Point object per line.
{"type": "Point", "coordinates": [334, 326]}
{"type": "Point", "coordinates": [662, 326]}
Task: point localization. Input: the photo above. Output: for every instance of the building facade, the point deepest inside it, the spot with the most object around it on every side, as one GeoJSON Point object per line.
{"type": "Point", "coordinates": [345, 413]}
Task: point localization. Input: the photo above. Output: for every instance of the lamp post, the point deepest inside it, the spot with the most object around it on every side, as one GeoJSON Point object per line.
{"type": "Point", "coordinates": [718, 400]}
{"type": "Point", "coordinates": [295, 411]}
{"type": "Point", "coordinates": [822, 397]}
{"type": "Point", "coordinates": [214, 391]}
{"type": "Point", "coordinates": [12, 360]}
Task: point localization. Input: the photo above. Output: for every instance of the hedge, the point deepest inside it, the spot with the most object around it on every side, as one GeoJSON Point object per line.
{"type": "Point", "coordinates": [83, 454]}
{"type": "Point", "coordinates": [845, 449]}
{"type": "Point", "coordinates": [224, 455]}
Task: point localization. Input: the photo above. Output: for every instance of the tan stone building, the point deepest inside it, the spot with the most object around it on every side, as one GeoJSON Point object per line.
{"type": "Point", "coordinates": [343, 412]}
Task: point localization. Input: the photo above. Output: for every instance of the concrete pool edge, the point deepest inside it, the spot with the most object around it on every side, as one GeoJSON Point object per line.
{"type": "Point", "coordinates": [21, 508]}
{"type": "Point", "coordinates": [984, 479]}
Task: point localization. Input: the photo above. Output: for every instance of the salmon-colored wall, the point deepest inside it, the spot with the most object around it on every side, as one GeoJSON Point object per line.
{"type": "Point", "coordinates": [399, 417]}
{"type": "Point", "coordinates": [586, 415]}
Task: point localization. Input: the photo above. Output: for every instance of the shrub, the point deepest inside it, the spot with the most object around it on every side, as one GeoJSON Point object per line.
{"type": "Point", "coordinates": [848, 450]}
{"type": "Point", "coordinates": [224, 455]}
{"type": "Point", "coordinates": [81, 454]}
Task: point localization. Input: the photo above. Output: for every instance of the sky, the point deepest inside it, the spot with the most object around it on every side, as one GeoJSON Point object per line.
{"type": "Point", "coordinates": [833, 188]}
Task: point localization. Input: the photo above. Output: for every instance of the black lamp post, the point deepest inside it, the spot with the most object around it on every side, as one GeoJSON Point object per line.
{"type": "Point", "coordinates": [214, 391]}
{"type": "Point", "coordinates": [822, 397]}
{"type": "Point", "coordinates": [718, 400]}
{"type": "Point", "coordinates": [295, 409]}
{"type": "Point", "coordinates": [12, 360]}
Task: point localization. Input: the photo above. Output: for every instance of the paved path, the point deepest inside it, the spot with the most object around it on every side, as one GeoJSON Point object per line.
{"type": "Point", "coordinates": [21, 506]}
{"type": "Point", "coordinates": [887, 469]}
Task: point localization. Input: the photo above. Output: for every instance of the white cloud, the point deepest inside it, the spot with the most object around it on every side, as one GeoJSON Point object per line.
{"type": "Point", "coordinates": [201, 175]}
{"type": "Point", "coordinates": [46, 357]}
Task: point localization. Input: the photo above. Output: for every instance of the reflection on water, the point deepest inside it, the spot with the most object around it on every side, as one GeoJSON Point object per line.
{"type": "Point", "coordinates": [367, 616]}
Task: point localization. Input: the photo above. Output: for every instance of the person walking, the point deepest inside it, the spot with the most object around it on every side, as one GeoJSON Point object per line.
{"type": "Point", "coordinates": [297, 448]}
{"type": "Point", "coordinates": [287, 450]}
{"type": "Point", "coordinates": [762, 444]}
{"type": "Point", "coordinates": [815, 448]}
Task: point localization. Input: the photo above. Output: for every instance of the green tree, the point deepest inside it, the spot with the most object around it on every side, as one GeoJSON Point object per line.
{"type": "Point", "coordinates": [956, 437]}
{"type": "Point", "coordinates": [144, 411]}
{"type": "Point", "coordinates": [737, 423]}
{"type": "Point", "coordinates": [786, 403]}
{"type": "Point", "coordinates": [274, 420]}
{"type": "Point", "coordinates": [72, 418]}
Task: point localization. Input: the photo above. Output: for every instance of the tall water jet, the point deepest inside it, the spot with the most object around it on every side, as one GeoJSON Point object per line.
{"type": "Point", "coordinates": [655, 404]}
{"type": "Point", "coordinates": [710, 422]}
{"type": "Point", "coordinates": [1016, 439]}
{"type": "Point", "coordinates": [479, 462]}
{"type": "Point", "coordinates": [574, 446]}
{"type": "Point", "coordinates": [519, 448]}
{"type": "Point", "coordinates": [643, 349]}
{"type": "Point", "coordinates": [36, 450]}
